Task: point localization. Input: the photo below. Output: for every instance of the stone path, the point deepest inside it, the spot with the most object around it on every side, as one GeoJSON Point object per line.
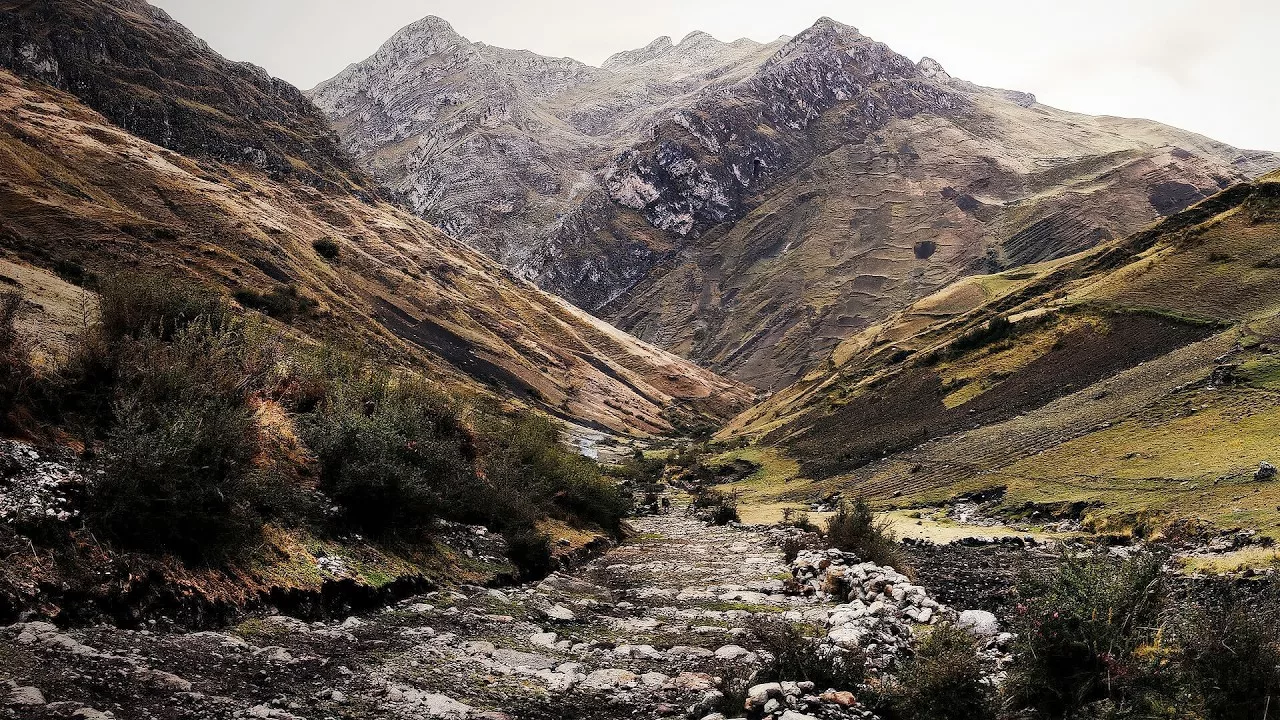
{"type": "Point", "coordinates": [648, 630]}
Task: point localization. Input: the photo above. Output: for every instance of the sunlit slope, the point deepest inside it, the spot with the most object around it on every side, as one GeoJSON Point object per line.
{"type": "Point", "coordinates": [1137, 379]}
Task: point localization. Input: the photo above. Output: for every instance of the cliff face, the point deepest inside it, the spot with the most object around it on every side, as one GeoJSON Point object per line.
{"type": "Point", "coordinates": [746, 205]}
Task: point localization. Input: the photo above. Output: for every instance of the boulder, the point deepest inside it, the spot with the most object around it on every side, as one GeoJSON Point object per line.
{"type": "Point", "coordinates": [980, 623]}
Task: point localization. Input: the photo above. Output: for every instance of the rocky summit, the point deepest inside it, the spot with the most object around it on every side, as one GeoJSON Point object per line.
{"type": "Point", "coordinates": [752, 205]}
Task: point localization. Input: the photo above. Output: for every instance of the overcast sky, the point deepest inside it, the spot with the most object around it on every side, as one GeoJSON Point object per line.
{"type": "Point", "coordinates": [1204, 65]}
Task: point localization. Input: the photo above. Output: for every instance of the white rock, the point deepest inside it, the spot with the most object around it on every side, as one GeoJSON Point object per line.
{"type": "Point", "coordinates": [25, 696]}
{"type": "Point", "coordinates": [610, 679]}
{"type": "Point", "coordinates": [980, 623]}
{"type": "Point", "coordinates": [734, 653]}
{"type": "Point", "coordinates": [543, 639]}
{"type": "Point", "coordinates": [847, 636]}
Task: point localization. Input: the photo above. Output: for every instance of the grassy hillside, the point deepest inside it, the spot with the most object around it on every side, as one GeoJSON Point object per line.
{"type": "Point", "coordinates": [81, 196]}
{"type": "Point", "coordinates": [1134, 384]}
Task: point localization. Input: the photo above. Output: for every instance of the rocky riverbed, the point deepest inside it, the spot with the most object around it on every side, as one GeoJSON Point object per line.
{"type": "Point", "coordinates": [654, 628]}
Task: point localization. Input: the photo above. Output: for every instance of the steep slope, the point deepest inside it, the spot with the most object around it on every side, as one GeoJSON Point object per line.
{"type": "Point", "coordinates": [1137, 379]}
{"type": "Point", "coordinates": [81, 195]}
{"type": "Point", "coordinates": [750, 206]}
{"type": "Point", "coordinates": [149, 75]}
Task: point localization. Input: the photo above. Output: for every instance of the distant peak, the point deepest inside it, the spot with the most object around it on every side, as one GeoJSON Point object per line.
{"type": "Point", "coordinates": [639, 56]}
{"type": "Point", "coordinates": [429, 26]}
{"type": "Point", "coordinates": [662, 43]}
{"type": "Point", "coordinates": [827, 24]}
{"type": "Point", "coordinates": [698, 37]}
{"type": "Point", "coordinates": [931, 68]}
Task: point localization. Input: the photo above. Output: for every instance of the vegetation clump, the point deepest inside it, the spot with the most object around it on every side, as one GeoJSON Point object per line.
{"type": "Point", "coordinates": [1090, 635]}
{"type": "Point", "coordinates": [283, 302]}
{"type": "Point", "coordinates": [326, 248]}
{"type": "Point", "coordinates": [855, 529]}
{"type": "Point", "coordinates": [944, 681]}
{"type": "Point", "coordinates": [716, 506]}
{"type": "Point", "coordinates": [792, 656]}
{"type": "Point", "coordinates": [171, 390]}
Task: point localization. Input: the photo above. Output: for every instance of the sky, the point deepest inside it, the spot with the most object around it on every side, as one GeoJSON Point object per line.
{"type": "Point", "coordinates": [1202, 65]}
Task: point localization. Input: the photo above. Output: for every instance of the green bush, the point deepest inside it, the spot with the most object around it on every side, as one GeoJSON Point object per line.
{"type": "Point", "coordinates": [944, 681]}
{"type": "Point", "coordinates": [795, 657]}
{"type": "Point", "coordinates": [283, 302]}
{"type": "Point", "coordinates": [524, 455]}
{"type": "Point", "coordinates": [1090, 633]}
{"type": "Point", "coordinates": [326, 248]}
{"type": "Point", "coordinates": [854, 528]}
{"type": "Point", "coordinates": [391, 448]}
{"type": "Point", "coordinates": [144, 305]}
{"type": "Point", "coordinates": [799, 519]}
{"type": "Point", "coordinates": [176, 464]}
{"type": "Point", "coordinates": [717, 507]}
{"type": "Point", "coordinates": [1230, 656]}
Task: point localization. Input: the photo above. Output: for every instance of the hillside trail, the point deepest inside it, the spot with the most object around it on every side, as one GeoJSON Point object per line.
{"type": "Point", "coordinates": [643, 631]}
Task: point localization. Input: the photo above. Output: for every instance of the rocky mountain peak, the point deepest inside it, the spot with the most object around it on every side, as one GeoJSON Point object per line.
{"type": "Point", "coordinates": [933, 69]}
{"type": "Point", "coordinates": [428, 36]}
{"type": "Point", "coordinates": [639, 56]}
{"type": "Point", "coordinates": [195, 102]}
{"type": "Point", "coordinates": [698, 37]}
{"type": "Point", "coordinates": [827, 26]}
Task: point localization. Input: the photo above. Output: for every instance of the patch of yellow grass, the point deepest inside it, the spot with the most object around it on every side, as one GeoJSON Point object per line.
{"type": "Point", "coordinates": [1256, 558]}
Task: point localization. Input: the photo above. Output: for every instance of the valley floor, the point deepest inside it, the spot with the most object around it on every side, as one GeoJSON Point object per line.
{"type": "Point", "coordinates": [644, 631]}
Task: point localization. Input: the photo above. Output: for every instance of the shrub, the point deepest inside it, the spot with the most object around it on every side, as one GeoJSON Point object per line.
{"type": "Point", "coordinates": [326, 248]}
{"type": "Point", "coordinates": [283, 302]}
{"type": "Point", "coordinates": [799, 519]}
{"type": "Point", "coordinates": [16, 371]}
{"type": "Point", "coordinates": [1230, 656]}
{"type": "Point", "coordinates": [796, 657]}
{"type": "Point", "coordinates": [944, 681]}
{"type": "Point", "coordinates": [1090, 633]}
{"type": "Point", "coordinates": [140, 305]}
{"type": "Point", "coordinates": [390, 448]}
{"type": "Point", "coordinates": [717, 507]}
{"type": "Point", "coordinates": [854, 528]}
{"type": "Point", "coordinates": [524, 458]}
{"type": "Point", "coordinates": [177, 460]}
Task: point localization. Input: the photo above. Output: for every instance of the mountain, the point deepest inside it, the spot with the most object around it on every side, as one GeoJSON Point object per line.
{"type": "Point", "coordinates": [751, 206]}
{"type": "Point", "coordinates": [1136, 382]}
{"type": "Point", "coordinates": [494, 145]}
{"type": "Point", "coordinates": [157, 153]}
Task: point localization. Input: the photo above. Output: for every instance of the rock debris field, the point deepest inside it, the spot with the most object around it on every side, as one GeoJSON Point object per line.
{"type": "Point", "coordinates": [654, 628]}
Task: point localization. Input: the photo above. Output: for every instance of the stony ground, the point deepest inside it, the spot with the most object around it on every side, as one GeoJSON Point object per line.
{"type": "Point", "coordinates": [645, 631]}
